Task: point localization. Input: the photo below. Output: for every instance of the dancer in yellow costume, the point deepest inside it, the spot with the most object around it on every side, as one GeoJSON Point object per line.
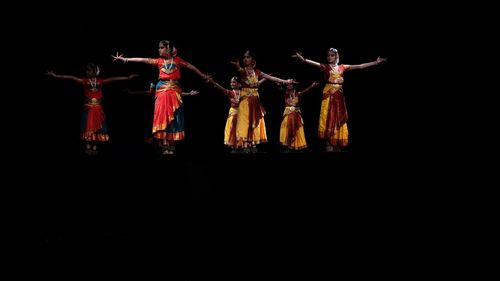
{"type": "Point", "coordinates": [250, 127]}
{"type": "Point", "coordinates": [292, 127]}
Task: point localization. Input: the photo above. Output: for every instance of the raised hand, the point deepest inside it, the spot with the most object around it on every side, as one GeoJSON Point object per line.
{"type": "Point", "coordinates": [209, 79]}
{"type": "Point", "coordinates": [118, 56]}
{"type": "Point", "coordinates": [299, 56]}
{"type": "Point", "coordinates": [381, 59]}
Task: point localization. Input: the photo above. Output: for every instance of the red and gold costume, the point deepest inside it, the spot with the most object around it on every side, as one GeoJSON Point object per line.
{"type": "Point", "coordinates": [168, 120]}
{"type": "Point", "coordinates": [232, 117]}
{"type": "Point", "coordinates": [250, 126]}
{"type": "Point", "coordinates": [292, 127]}
{"type": "Point", "coordinates": [93, 125]}
{"type": "Point", "coordinates": [333, 114]}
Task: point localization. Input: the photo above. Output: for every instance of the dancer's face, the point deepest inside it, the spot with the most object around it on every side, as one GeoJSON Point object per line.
{"type": "Point", "coordinates": [91, 72]}
{"type": "Point", "coordinates": [234, 84]}
{"type": "Point", "coordinates": [163, 51]}
{"type": "Point", "coordinates": [331, 57]}
{"type": "Point", "coordinates": [247, 59]}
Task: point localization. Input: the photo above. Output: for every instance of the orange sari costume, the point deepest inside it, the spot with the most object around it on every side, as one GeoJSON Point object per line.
{"type": "Point", "coordinates": [168, 117]}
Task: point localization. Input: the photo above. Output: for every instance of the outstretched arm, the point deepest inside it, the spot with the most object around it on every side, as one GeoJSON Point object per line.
{"type": "Point", "coordinates": [276, 79]}
{"type": "Point", "coordinates": [314, 84]}
{"type": "Point", "coordinates": [119, 78]}
{"type": "Point", "coordinates": [119, 56]}
{"type": "Point", "coordinates": [74, 78]}
{"type": "Point", "coordinates": [368, 64]}
{"type": "Point", "coordinates": [217, 85]}
{"type": "Point", "coordinates": [196, 70]}
{"type": "Point", "coordinates": [191, 93]}
{"type": "Point", "coordinates": [263, 80]}
{"type": "Point", "coordinates": [306, 61]}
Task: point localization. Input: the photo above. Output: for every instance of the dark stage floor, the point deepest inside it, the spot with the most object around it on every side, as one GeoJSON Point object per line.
{"type": "Point", "coordinates": [206, 216]}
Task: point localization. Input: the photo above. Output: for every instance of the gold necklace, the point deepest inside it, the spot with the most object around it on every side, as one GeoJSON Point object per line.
{"type": "Point", "coordinates": [168, 68]}
{"type": "Point", "coordinates": [236, 96]}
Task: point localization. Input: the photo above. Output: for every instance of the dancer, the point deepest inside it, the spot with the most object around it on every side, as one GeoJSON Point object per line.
{"type": "Point", "coordinates": [333, 114]}
{"type": "Point", "coordinates": [251, 128]}
{"type": "Point", "coordinates": [292, 127]}
{"type": "Point", "coordinates": [168, 121]}
{"type": "Point", "coordinates": [234, 99]}
{"type": "Point", "coordinates": [93, 121]}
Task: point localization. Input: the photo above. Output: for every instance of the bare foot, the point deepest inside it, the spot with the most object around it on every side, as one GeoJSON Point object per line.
{"type": "Point", "coordinates": [168, 152]}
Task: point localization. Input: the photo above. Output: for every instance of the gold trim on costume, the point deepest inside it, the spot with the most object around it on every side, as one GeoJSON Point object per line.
{"type": "Point", "coordinates": [94, 101]}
